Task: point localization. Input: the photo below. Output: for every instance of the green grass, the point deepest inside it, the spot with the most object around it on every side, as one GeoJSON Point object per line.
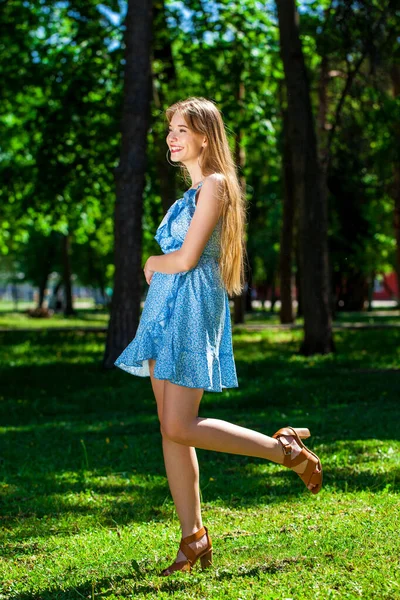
{"type": "Point", "coordinates": [11, 319]}
{"type": "Point", "coordinates": [83, 318]}
{"type": "Point", "coordinates": [382, 316]}
{"type": "Point", "coordinates": [86, 510]}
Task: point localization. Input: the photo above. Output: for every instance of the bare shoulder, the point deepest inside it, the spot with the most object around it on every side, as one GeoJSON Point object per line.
{"type": "Point", "coordinates": [211, 193]}
{"type": "Point", "coordinates": [216, 179]}
{"type": "Point", "coordinates": [215, 183]}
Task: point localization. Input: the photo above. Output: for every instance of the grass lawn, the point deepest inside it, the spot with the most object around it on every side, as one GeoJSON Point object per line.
{"type": "Point", "coordinates": [18, 319]}
{"type": "Point", "coordinates": [89, 317]}
{"type": "Point", "coordinates": [86, 510]}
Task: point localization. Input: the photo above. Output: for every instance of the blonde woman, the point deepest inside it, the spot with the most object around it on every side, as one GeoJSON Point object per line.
{"type": "Point", "coordinates": [184, 339]}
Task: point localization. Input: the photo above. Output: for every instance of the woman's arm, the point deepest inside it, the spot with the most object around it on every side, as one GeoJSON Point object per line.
{"type": "Point", "coordinates": [166, 263]}
{"type": "Point", "coordinates": [203, 223]}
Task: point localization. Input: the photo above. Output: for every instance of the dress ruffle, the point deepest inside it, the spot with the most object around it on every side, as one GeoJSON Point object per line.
{"type": "Point", "coordinates": [149, 336]}
{"type": "Point", "coordinates": [185, 323]}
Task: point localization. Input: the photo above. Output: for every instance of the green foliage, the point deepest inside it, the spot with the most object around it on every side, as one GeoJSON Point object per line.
{"type": "Point", "coordinates": [62, 72]}
{"type": "Point", "coordinates": [59, 125]}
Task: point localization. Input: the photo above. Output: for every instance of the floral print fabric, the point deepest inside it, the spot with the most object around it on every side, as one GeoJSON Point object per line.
{"type": "Point", "coordinates": [185, 324]}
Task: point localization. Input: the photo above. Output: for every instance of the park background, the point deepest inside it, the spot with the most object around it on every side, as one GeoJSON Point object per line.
{"type": "Point", "coordinates": [309, 93]}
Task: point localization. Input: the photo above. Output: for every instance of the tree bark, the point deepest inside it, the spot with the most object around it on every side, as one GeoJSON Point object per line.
{"type": "Point", "coordinates": [162, 52]}
{"type": "Point", "coordinates": [274, 296]}
{"type": "Point", "coordinates": [240, 158]}
{"type": "Point", "coordinates": [42, 288]}
{"type": "Point", "coordinates": [52, 304]}
{"type": "Point", "coordinates": [66, 256]}
{"type": "Point", "coordinates": [130, 181]}
{"type": "Point", "coordinates": [248, 300]}
{"type": "Point", "coordinates": [354, 293]}
{"type": "Point", "coordinates": [309, 192]}
{"type": "Point", "coordinates": [286, 246]}
{"type": "Point", "coordinates": [371, 282]}
{"type": "Point", "coordinates": [299, 310]}
{"type": "Point", "coordinates": [395, 75]}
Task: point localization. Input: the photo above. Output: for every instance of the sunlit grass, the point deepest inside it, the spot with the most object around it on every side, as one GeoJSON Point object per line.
{"type": "Point", "coordinates": [83, 318]}
{"type": "Point", "coordinates": [12, 319]}
{"type": "Point", "coordinates": [86, 508]}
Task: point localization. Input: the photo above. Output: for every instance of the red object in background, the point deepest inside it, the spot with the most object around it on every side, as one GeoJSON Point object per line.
{"type": "Point", "coordinates": [386, 289]}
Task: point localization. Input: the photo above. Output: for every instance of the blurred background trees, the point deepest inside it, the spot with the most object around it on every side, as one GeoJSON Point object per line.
{"type": "Point", "coordinates": [63, 67]}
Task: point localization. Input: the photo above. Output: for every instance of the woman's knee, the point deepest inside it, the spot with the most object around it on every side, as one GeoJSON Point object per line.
{"type": "Point", "coordinates": [161, 427]}
{"type": "Point", "coordinates": [173, 430]}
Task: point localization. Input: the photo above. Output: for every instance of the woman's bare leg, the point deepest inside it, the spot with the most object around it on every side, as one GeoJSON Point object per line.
{"type": "Point", "coordinates": [182, 425]}
{"type": "Point", "coordinates": [183, 475]}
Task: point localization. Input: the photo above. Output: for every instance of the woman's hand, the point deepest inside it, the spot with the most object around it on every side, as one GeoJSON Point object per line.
{"type": "Point", "coordinates": [148, 273]}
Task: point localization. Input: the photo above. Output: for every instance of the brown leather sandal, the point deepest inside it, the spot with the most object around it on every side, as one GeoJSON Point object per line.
{"type": "Point", "coordinates": [205, 555]}
{"type": "Point", "coordinates": [308, 477]}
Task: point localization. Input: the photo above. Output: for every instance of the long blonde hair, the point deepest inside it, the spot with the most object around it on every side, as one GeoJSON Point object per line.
{"type": "Point", "coordinates": [202, 116]}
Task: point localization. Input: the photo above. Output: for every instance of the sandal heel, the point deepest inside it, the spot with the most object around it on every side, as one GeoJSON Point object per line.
{"type": "Point", "coordinates": [190, 554]}
{"type": "Point", "coordinates": [310, 475]}
{"type": "Point", "coordinates": [302, 432]}
{"type": "Point", "coordinates": [206, 559]}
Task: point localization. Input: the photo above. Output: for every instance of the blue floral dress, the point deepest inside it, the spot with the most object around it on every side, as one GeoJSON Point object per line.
{"type": "Point", "coordinates": [185, 322]}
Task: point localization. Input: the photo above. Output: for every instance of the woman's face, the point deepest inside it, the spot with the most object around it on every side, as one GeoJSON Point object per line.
{"type": "Point", "coordinates": [184, 144]}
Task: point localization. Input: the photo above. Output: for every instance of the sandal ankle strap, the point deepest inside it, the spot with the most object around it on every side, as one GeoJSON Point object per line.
{"type": "Point", "coordinates": [195, 536]}
{"type": "Point", "coordinates": [186, 549]}
{"type": "Point", "coordinates": [287, 448]}
{"type": "Point", "coordinates": [287, 451]}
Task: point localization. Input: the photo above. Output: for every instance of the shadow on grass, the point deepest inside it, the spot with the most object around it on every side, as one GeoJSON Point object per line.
{"type": "Point", "coordinates": [79, 440]}
{"type": "Point", "coordinates": [177, 582]}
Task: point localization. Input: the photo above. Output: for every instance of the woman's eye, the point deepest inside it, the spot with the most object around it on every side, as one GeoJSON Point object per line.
{"type": "Point", "coordinates": [180, 131]}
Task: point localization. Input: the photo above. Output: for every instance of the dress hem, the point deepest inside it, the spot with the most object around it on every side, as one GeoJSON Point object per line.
{"type": "Point", "coordinates": [127, 369]}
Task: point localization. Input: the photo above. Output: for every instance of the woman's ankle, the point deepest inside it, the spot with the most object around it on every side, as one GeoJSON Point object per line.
{"type": "Point", "coordinates": [290, 441]}
{"type": "Point", "coordinates": [187, 531]}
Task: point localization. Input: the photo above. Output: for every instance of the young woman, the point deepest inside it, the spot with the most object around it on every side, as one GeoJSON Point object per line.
{"type": "Point", "coordinates": [184, 339]}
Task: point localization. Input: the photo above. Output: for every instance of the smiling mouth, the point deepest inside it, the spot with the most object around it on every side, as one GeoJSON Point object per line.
{"type": "Point", "coordinates": [173, 150]}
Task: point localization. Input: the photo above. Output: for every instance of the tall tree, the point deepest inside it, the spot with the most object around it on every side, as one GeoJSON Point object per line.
{"type": "Point", "coordinates": [67, 274]}
{"type": "Point", "coordinates": [163, 69]}
{"type": "Point", "coordinates": [395, 75]}
{"type": "Point", "coordinates": [130, 180]}
{"type": "Point", "coordinates": [308, 188]}
{"type": "Point", "coordinates": [239, 301]}
{"type": "Point", "coordinates": [288, 214]}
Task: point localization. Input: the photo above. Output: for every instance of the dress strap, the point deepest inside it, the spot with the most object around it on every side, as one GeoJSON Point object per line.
{"type": "Point", "coordinates": [197, 186]}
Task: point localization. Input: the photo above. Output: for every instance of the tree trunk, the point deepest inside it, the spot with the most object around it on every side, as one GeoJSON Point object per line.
{"type": "Point", "coordinates": [249, 297]}
{"type": "Point", "coordinates": [323, 148]}
{"type": "Point", "coordinates": [240, 159]}
{"type": "Point", "coordinates": [47, 265]}
{"type": "Point", "coordinates": [299, 311]}
{"type": "Point", "coordinates": [162, 53]}
{"type": "Point", "coordinates": [42, 288]}
{"type": "Point", "coordinates": [286, 246]}
{"type": "Point", "coordinates": [270, 288]}
{"type": "Point", "coordinates": [130, 180]}
{"type": "Point", "coordinates": [309, 192]}
{"type": "Point", "coordinates": [67, 275]}
{"type": "Point", "coordinates": [395, 75]}
{"type": "Point", "coordinates": [371, 283]}
{"type": "Point", "coordinates": [274, 296]}
{"type": "Point", "coordinates": [354, 293]}
{"type": "Point", "coordinates": [52, 304]}
{"type": "Point", "coordinates": [239, 303]}
{"type": "Point", "coordinates": [14, 293]}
